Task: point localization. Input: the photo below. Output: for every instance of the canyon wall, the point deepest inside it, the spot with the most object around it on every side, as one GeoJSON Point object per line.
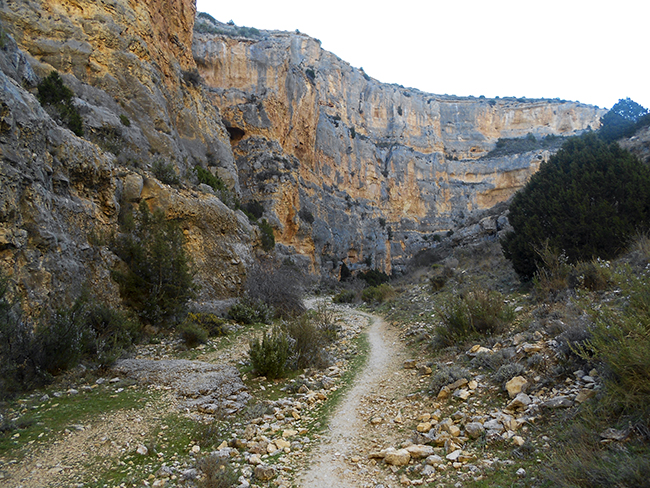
{"type": "Point", "coordinates": [130, 66]}
{"type": "Point", "coordinates": [348, 169]}
{"type": "Point", "coordinates": [352, 169]}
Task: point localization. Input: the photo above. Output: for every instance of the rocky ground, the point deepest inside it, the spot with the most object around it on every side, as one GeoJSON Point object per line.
{"type": "Point", "coordinates": [369, 420]}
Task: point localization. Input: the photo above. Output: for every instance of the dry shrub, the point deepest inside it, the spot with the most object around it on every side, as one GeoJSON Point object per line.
{"type": "Point", "coordinates": [217, 472]}
{"type": "Point", "coordinates": [447, 375]}
{"type": "Point", "coordinates": [280, 286]}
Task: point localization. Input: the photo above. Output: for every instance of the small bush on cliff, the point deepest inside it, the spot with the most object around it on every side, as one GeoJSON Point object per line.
{"type": "Point", "coordinates": [165, 172]}
{"type": "Point", "coordinates": [268, 238]}
{"type": "Point", "coordinates": [158, 280]}
{"type": "Point", "coordinates": [52, 92]}
{"type": "Point", "coordinates": [586, 201]}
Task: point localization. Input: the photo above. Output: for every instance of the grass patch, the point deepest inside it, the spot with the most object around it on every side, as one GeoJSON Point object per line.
{"type": "Point", "coordinates": [42, 421]}
{"type": "Point", "coordinates": [172, 437]}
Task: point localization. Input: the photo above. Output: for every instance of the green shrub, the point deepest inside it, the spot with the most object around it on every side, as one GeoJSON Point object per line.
{"type": "Point", "coordinates": [374, 277]}
{"type": "Point", "coordinates": [477, 312]}
{"type": "Point", "coordinates": [623, 120]}
{"type": "Point", "coordinates": [111, 333]}
{"type": "Point", "coordinates": [165, 172]}
{"type": "Point", "coordinates": [437, 283]}
{"type": "Point", "coordinates": [158, 280]}
{"type": "Point", "coordinates": [19, 353]}
{"type": "Point", "coordinates": [586, 201]}
{"type": "Point", "coordinates": [206, 177]}
{"type": "Point", "coordinates": [620, 340]}
{"type": "Point", "coordinates": [308, 342]}
{"type": "Point", "coordinates": [269, 356]}
{"type": "Point", "coordinates": [214, 325]}
{"type": "Point", "coordinates": [345, 296]}
{"type": "Point", "coordinates": [378, 294]}
{"type": "Point", "coordinates": [268, 238]}
{"type": "Point", "coordinates": [251, 311]}
{"type": "Point", "coordinates": [53, 92]}
{"type": "Point", "coordinates": [192, 333]}
{"type": "Point", "coordinates": [125, 120]}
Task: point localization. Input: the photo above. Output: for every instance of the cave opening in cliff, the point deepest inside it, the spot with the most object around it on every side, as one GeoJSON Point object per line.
{"type": "Point", "coordinates": [236, 134]}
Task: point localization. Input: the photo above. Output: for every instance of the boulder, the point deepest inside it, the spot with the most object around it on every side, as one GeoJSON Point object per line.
{"type": "Point", "coordinates": [516, 385]}
{"type": "Point", "coordinates": [397, 457]}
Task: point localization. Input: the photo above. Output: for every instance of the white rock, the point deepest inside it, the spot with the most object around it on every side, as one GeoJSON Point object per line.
{"type": "Point", "coordinates": [454, 455]}
{"type": "Point", "coordinates": [418, 451]}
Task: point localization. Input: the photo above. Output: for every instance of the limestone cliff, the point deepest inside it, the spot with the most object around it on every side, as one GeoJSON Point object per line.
{"type": "Point", "coordinates": [130, 66]}
{"type": "Point", "coordinates": [347, 168]}
{"type": "Point", "coordinates": [350, 168]}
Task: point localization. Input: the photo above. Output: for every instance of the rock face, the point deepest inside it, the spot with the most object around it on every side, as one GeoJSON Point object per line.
{"type": "Point", "coordinates": [352, 169]}
{"type": "Point", "coordinates": [347, 168]}
{"type": "Point", "coordinates": [131, 69]}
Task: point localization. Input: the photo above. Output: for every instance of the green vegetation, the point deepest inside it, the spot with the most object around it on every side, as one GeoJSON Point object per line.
{"type": "Point", "coordinates": [224, 193]}
{"type": "Point", "coordinates": [268, 237]}
{"type": "Point", "coordinates": [251, 311]}
{"type": "Point", "coordinates": [508, 146]}
{"type": "Point", "coordinates": [623, 120]}
{"type": "Point", "coordinates": [165, 172]}
{"type": "Point", "coordinates": [374, 277]}
{"type": "Point", "coordinates": [253, 210]}
{"type": "Point", "coordinates": [378, 294]}
{"type": "Point", "coordinates": [345, 296]}
{"type": "Point", "coordinates": [212, 26]}
{"type": "Point", "coordinates": [46, 419]}
{"type": "Point", "coordinates": [470, 314]}
{"type": "Point", "coordinates": [270, 355]}
{"type": "Point", "coordinates": [53, 92]}
{"type": "Point", "coordinates": [586, 201]}
{"type": "Point", "coordinates": [126, 122]}
{"type": "Point", "coordinates": [158, 280]}
{"type": "Point", "coordinates": [87, 331]}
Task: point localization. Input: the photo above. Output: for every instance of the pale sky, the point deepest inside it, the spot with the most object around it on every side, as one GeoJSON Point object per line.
{"type": "Point", "coordinates": [592, 51]}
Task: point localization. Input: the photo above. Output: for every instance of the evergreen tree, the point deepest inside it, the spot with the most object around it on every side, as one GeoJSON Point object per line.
{"type": "Point", "coordinates": [585, 201]}
{"type": "Point", "coordinates": [159, 279]}
{"type": "Point", "coordinates": [622, 120]}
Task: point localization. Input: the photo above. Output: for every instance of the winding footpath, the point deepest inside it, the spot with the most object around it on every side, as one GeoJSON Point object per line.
{"type": "Point", "coordinates": [331, 465]}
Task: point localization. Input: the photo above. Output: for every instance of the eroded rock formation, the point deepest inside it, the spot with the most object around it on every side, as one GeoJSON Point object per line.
{"type": "Point", "coordinates": [347, 168]}
{"type": "Point", "coordinates": [130, 67]}
{"type": "Point", "coordinates": [351, 168]}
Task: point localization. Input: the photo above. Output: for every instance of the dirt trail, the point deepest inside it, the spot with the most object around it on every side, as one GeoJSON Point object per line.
{"type": "Point", "coordinates": [332, 466]}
